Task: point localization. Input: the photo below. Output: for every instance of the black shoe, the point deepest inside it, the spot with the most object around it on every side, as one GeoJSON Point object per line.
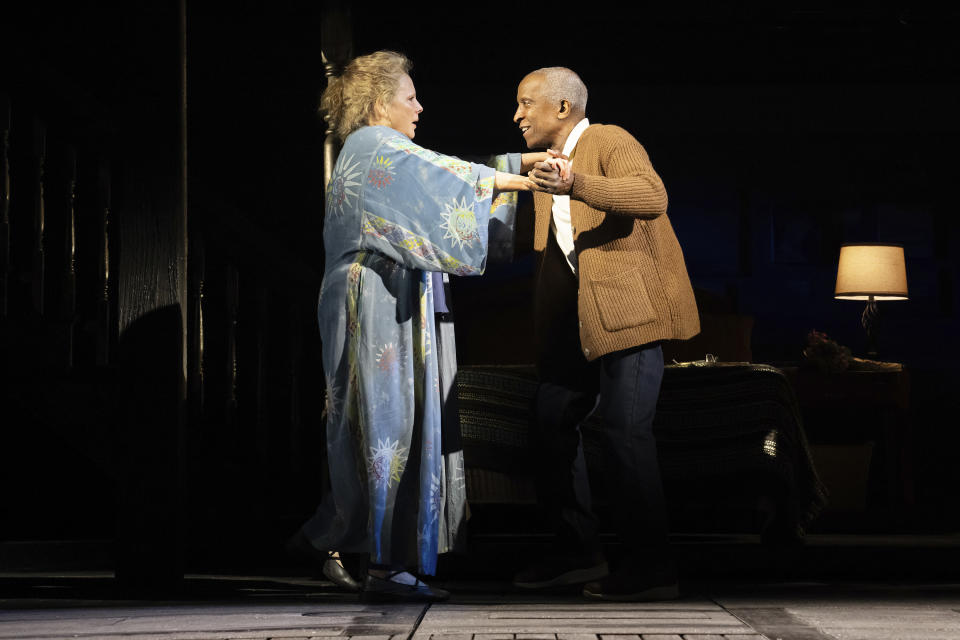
{"type": "Point", "coordinates": [334, 571]}
{"type": "Point", "coordinates": [634, 586]}
{"type": "Point", "coordinates": [331, 568]}
{"type": "Point", "coordinates": [386, 590]}
{"type": "Point", "coordinates": [558, 571]}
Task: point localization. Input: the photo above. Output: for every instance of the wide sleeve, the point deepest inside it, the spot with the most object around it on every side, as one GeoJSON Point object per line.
{"type": "Point", "coordinates": [426, 210]}
{"type": "Point", "coordinates": [629, 185]}
{"type": "Point", "coordinates": [503, 212]}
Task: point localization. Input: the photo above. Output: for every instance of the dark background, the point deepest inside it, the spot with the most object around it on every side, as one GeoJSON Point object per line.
{"type": "Point", "coordinates": [780, 133]}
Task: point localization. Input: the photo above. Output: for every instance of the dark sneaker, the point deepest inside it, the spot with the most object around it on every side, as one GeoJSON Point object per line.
{"type": "Point", "coordinates": [386, 590]}
{"type": "Point", "coordinates": [634, 586]}
{"type": "Point", "coordinates": [558, 571]}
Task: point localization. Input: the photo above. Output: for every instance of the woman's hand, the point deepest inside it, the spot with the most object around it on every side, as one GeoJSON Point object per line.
{"type": "Point", "coordinates": [512, 182]}
{"type": "Point", "coordinates": [527, 160]}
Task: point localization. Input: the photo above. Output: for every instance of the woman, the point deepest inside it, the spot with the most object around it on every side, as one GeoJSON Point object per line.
{"type": "Point", "coordinates": [397, 216]}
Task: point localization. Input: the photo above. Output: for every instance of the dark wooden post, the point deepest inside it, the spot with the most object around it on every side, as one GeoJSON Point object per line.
{"type": "Point", "coordinates": [233, 356]}
{"type": "Point", "coordinates": [38, 265]}
{"type": "Point", "coordinates": [196, 391]}
{"type": "Point", "coordinates": [262, 347]}
{"type": "Point", "coordinates": [336, 49]}
{"type": "Point", "coordinates": [331, 144]}
{"type": "Point", "coordinates": [104, 335]}
{"type": "Point", "coordinates": [4, 206]}
{"type": "Point", "coordinates": [68, 302]}
{"type": "Point", "coordinates": [265, 506]}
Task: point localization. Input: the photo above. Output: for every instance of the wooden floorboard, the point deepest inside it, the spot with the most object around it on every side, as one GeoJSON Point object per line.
{"type": "Point", "coordinates": [688, 620]}
{"type": "Point", "coordinates": [46, 607]}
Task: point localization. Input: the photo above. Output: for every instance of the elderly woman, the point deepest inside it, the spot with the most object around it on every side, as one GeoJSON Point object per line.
{"type": "Point", "coordinates": [397, 217]}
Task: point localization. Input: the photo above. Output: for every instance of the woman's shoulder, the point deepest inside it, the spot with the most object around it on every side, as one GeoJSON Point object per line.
{"type": "Point", "coordinates": [373, 136]}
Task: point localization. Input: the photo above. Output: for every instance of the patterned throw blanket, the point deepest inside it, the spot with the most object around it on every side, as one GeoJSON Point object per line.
{"type": "Point", "coordinates": [723, 431]}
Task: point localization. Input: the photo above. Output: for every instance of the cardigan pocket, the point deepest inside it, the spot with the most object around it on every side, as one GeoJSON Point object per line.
{"type": "Point", "coordinates": [622, 301]}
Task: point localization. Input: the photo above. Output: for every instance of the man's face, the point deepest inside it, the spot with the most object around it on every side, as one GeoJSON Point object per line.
{"type": "Point", "coordinates": [403, 112]}
{"type": "Point", "coordinates": [535, 115]}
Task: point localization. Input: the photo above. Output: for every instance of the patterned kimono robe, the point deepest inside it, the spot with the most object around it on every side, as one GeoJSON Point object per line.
{"type": "Point", "coordinates": [395, 212]}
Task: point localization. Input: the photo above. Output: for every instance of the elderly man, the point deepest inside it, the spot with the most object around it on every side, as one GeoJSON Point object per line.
{"type": "Point", "coordinates": [611, 284]}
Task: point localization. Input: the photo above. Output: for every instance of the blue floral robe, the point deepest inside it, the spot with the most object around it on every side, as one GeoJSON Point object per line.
{"type": "Point", "coordinates": [395, 212]}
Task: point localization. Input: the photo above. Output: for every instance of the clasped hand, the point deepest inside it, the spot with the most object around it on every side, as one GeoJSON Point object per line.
{"type": "Point", "coordinates": [552, 175]}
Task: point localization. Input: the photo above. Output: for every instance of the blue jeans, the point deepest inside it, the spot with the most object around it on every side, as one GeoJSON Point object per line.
{"type": "Point", "coordinates": [629, 384]}
{"type": "Point", "coordinates": [624, 387]}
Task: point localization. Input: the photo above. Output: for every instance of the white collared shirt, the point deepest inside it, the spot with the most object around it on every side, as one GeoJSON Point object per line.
{"type": "Point", "coordinates": [560, 223]}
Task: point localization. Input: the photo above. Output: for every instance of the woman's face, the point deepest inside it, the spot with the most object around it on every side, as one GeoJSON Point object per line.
{"type": "Point", "coordinates": [403, 111]}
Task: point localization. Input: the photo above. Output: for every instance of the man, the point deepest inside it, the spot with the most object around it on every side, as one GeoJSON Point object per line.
{"type": "Point", "coordinates": [611, 284]}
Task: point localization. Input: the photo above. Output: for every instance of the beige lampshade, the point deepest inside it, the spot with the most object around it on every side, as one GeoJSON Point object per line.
{"type": "Point", "coordinates": [867, 270]}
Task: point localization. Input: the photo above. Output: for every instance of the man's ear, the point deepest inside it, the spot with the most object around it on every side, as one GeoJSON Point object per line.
{"type": "Point", "coordinates": [564, 111]}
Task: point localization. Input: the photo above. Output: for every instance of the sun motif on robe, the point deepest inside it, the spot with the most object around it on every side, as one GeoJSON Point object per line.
{"type": "Point", "coordinates": [436, 497]}
{"type": "Point", "coordinates": [387, 461]}
{"type": "Point", "coordinates": [460, 223]}
{"type": "Point", "coordinates": [333, 399]}
{"type": "Point", "coordinates": [340, 190]}
{"type": "Point", "coordinates": [390, 358]}
{"type": "Point", "coordinates": [381, 173]}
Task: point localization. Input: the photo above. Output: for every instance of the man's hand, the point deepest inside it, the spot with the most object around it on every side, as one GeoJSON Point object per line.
{"type": "Point", "coordinates": [561, 164]}
{"type": "Point", "coordinates": [553, 176]}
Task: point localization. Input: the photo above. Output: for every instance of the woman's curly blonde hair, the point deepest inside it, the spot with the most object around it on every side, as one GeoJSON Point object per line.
{"type": "Point", "coordinates": [350, 100]}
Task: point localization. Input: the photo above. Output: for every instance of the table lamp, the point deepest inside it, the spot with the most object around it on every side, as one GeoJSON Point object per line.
{"type": "Point", "coordinates": [871, 272]}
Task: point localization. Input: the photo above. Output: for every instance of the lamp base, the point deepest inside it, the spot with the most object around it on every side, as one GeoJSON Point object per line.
{"type": "Point", "coordinates": [869, 321]}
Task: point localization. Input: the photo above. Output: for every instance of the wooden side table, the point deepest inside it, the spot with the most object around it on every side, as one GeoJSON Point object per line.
{"type": "Point", "coordinates": [856, 406]}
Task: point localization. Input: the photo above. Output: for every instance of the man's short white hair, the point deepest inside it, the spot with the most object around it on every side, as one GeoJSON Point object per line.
{"type": "Point", "coordinates": [561, 83]}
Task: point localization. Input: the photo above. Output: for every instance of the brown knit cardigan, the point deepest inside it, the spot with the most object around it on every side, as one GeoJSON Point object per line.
{"type": "Point", "coordinates": [634, 287]}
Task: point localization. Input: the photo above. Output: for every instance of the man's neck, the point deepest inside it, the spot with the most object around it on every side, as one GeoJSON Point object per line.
{"type": "Point", "coordinates": [563, 134]}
